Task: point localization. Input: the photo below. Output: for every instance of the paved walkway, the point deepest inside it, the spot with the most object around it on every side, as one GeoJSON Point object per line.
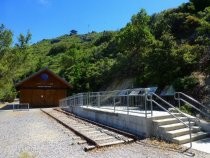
{"type": "Point", "coordinates": [201, 145]}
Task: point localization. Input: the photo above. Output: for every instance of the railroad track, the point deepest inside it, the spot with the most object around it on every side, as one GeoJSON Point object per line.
{"type": "Point", "coordinates": [96, 135]}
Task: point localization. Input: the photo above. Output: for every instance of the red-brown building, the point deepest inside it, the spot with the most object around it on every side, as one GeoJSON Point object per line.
{"type": "Point", "coordinates": [43, 89]}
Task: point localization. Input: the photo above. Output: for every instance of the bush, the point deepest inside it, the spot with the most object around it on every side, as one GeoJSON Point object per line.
{"type": "Point", "coordinates": [187, 109]}
{"type": "Point", "coordinates": [9, 96]}
{"type": "Point", "coordinates": [55, 41]}
{"type": "Point", "coordinates": [185, 84]}
{"type": "Point", "coordinates": [61, 48]}
{"type": "Point", "coordinates": [7, 93]}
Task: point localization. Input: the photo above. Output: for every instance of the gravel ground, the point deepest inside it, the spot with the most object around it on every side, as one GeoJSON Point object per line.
{"type": "Point", "coordinates": [33, 133]}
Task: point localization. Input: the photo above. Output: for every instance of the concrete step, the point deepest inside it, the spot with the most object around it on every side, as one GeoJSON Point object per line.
{"type": "Point", "coordinates": [169, 120]}
{"type": "Point", "coordinates": [182, 131]}
{"type": "Point", "coordinates": [167, 116]}
{"type": "Point", "coordinates": [175, 126]}
{"type": "Point", "coordinates": [186, 138]}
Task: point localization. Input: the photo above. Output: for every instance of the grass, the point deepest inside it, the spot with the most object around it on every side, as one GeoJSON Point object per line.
{"type": "Point", "coordinates": [26, 155]}
{"type": "Point", "coordinates": [163, 144]}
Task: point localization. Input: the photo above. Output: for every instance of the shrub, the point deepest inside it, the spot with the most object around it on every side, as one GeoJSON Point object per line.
{"type": "Point", "coordinates": [61, 48]}
{"type": "Point", "coordinates": [185, 84]}
{"type": "Point", "coordinates": [187, 109]}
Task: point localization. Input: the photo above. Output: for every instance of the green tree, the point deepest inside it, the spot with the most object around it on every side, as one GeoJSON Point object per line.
{"type": "Point", "coordinates": [134, 41]}
{"type": "Point", "coordinates": [5, 38]}
{"type": "Point", "coordinates": [200, 4]}
{"type": "Point", "coordinates": [23, 40]}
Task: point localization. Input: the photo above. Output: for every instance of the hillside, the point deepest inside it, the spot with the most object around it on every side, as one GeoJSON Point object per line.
{"type": "Point", "coordinates": [166, 48]}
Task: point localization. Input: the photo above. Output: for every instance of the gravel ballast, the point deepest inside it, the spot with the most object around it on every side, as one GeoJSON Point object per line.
{"type": "Point", "coordinates": [35, 134]}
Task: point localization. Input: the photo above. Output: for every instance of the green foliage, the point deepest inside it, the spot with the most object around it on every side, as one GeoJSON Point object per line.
{"type": "Point", "coordinates": [5, 38]}
{"type": "Point", "coordinates": [56, 49]}
{"type": "Point", "coordinates": [24, 40]}
{"type": "Point", "coordinates": [15, 62]}
{"type": "Point", "coordinates": [73, 32]}
{"type": "Point", "coordinates": [187, 109]}
{"type": "Point", "coordinates": [185, 84]}
{"type": "Point", "coordinates": [161, 49]}
{"type": "Point", "coordinates": [161, 60]}
{"type": "Point", "coordinates": [106, 37]}
{"type": "Point", "coordinates": [133, 42]}
{"type": "Point", "coordinates": [200, 4]}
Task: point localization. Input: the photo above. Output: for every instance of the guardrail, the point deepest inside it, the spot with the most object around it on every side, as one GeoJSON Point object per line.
{"type": "Point", "coordinates": [182, 97]}
{"type": "Point", "coordinates": [129, 100]}
{"type": "Point", "coordinates": [21, 106]}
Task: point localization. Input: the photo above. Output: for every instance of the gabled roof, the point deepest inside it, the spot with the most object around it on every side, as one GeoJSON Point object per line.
{"type": "Point", "coordinates": [41, 71]}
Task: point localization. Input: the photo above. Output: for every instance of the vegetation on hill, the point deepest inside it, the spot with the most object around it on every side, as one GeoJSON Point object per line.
{"type": "Point", "coordinates": [161, 49]}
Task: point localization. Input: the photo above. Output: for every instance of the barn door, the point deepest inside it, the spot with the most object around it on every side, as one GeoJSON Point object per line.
{"type": "Point", "coordinates": [38, 97]}
{"type": "Point", "coordinates": [49, 97]}
{"type": "Point", "coordinates": [46, 98]}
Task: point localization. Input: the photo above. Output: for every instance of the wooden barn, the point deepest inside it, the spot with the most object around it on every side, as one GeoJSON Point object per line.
{"type": "Point", "coordinates": [43, 89]}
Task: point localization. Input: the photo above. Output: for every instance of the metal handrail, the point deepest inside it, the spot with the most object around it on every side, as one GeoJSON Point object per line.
{"type": "Point", "coordinates": [189, 97]}
{"type": "Point", "coordinates": [188, 126]}
{"type": "Point", "coordinates": [178, 97]}
{"type": "Point", "coordinates": [157, 96]}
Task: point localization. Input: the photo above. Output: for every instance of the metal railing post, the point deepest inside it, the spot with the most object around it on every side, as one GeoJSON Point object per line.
{"type": "Point", "coordinates": [98, 96]}
{"type": "Point", "coordinates": [114, 103]}
{"type": "Point", "coordinates": [81, 100]}
{"type": "Point", "coordinates": [145, 104]}
{"type": "Point", "coordinates": [127, 104]}
{"type": "Point", "coordinates": [151, 106]}
{"type": "Point", "coordinates": [179, 102]}
{"type": "Point", "coordinates": [88, 99]}
{"type": "Point", "coordinates": [74, 100]}
{"type": "Point", "coordinates": [190, 130]}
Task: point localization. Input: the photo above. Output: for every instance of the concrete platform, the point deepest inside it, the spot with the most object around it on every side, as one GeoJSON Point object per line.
{"type": "Point", "coordinates": [200, 145]}
{"type": "Point", "coordinates": [132, 111]}
{"type": "Point", "coordinates": [134, 120]}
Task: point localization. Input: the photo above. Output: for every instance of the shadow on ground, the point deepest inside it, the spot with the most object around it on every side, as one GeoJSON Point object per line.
{"type": "Point", "coordinates": [7, 107]}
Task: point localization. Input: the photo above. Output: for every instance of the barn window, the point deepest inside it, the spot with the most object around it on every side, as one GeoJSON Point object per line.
{"type": "Point", "coordinates": [44, 76]}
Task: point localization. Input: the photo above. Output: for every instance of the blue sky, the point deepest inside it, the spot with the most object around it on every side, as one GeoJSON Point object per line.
{"type": "Point", "coordinates": [52, 18]}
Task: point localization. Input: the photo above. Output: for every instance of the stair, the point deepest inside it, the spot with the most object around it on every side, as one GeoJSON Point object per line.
{"type": "Point", "coordinates": [171, 129]}
{"type": "Point", "coordinates": [186, 138]}
{"type": "Point", "coordinates": [175, 126]}
{"type": "Point", "coordinates": [167, 121]}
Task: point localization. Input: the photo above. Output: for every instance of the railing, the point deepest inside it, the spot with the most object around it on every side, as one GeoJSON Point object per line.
{"type": "Point", "coordinates": [179, 96]}
{"type": "Point", "coordinates": [21, 106]}
{"type": "Point", "coordinates": [150, 98]}
{"type": "Point", "coordinates": [129, 100]}
{"type": "Point", "coordinates": [141, 100]}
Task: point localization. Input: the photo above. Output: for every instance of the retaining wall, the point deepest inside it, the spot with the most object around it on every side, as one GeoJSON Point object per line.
{"type": "Point", "coordinates": [137, 125]}
{"type": "Point", "coordinates": [205, 126]}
